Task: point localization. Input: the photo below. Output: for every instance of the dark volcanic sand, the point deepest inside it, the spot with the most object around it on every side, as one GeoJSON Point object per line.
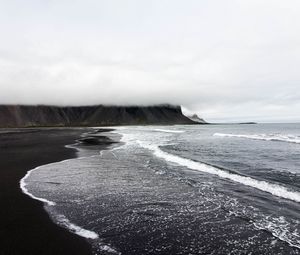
{"type": "Point", "coordinates": [25, 227]}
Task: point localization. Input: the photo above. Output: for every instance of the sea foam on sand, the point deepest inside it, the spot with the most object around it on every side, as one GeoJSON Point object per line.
{"type": "Point", "coordinates": [62, 220]}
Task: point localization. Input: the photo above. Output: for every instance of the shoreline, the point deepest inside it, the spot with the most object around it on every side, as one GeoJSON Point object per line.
{"type": "Point", "coordinates": [25, 226]}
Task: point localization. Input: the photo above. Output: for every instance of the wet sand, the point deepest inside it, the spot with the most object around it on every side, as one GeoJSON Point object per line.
{"type": "Point", "coordinates": [25, 227]}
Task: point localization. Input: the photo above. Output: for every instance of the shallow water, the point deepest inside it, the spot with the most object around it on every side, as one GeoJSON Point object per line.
{"type": "Point", "coordinates": [223, 189]}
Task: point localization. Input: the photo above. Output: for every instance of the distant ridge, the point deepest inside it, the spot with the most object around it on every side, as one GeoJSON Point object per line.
{"type": "Point", "coordinates": [97, 115]}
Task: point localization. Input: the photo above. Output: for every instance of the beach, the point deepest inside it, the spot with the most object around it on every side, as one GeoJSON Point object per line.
{"type": "Point", "coordinates": [151, 190]}
{"type": "Point", "coordinates": [179, 190]}
{"type": "Point", "coordinates": [25, 227]}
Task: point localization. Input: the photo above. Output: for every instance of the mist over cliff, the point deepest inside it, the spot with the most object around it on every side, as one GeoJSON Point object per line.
{"type": "Point", "coordinates": [98, 115]}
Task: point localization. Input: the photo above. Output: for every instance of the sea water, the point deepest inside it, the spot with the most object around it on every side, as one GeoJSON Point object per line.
{"type": "Point", "coordinates": [198, 189]}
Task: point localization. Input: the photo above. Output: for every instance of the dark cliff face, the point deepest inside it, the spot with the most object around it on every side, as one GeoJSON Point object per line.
{"type": "Point", "coordinates": [196, 118]}
{"type": "Point", "coordinates": [40, 115]}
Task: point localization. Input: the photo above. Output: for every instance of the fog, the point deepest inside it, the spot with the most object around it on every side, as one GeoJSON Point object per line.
{"type": "Point", "coordinates": [225, 60]}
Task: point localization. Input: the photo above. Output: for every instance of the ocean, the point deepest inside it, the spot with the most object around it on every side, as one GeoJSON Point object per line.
{"type": "Point", "coordinates": [194, 189]}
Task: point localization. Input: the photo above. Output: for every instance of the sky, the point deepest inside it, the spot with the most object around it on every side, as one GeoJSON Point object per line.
{"type": "Point", "coordinates": [226, 60]}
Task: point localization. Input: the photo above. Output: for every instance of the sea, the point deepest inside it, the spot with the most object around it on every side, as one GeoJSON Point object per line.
{"type": "Point", "coordinates": [183, 189]}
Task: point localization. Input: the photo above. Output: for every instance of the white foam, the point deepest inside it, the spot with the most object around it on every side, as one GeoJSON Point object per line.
{"type": "Point", "coordinates": [281, 233]}
{"type": "Point", "coordinates": [168, 130]}
{"type": "Point", "coordinates": [265, 137]}
{"type": "Point", "coordinates": [23, 185]}
{"type": "Point", "coordinates": [60, 218]}
{"type": "Point", "coordinates": [76, 229]}
{"type": "Point", "coordinates": [274, 189]}
{"type": "Point", "coordinates": [108, 249]}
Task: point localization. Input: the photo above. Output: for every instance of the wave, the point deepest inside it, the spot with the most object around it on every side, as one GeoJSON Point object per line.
{"type": "Point", "coordinates": [278, 230]}
{"type": "Point", "coordinates": [23, 185]}
{"type": "Point", "coordinates": [61, 219]}
{"type": "Point", "coordinates": [274, 189]}
{"type": "Point", "coordinates": [168, 130]}
{"type": "Point", "coordinates": [76, 229]}
{"type": "Point", "coordinates": [265, 137]}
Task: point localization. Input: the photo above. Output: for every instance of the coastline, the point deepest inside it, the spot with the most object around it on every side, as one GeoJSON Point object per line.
{"type": "Point", "coordinates": [25, 227]}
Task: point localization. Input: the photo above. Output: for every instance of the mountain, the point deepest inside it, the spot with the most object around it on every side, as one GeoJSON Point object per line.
{"type": "Point", "coordinates": [98, 115]}
{"type": "Point", "coordinates": [196, 118]}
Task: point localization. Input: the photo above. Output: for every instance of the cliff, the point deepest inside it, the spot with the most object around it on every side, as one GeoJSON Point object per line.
{"type": "Point", "coordinates": [197, 119]}
{"type": "Point", "coordinates": [99, 115]}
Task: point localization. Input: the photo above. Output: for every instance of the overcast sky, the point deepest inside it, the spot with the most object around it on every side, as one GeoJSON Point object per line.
{"type": "Point", "coordinates": [227, 60]}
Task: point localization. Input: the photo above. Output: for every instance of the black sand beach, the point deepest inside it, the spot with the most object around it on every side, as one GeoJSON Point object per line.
{"type": "Point", "coordinates": [134, 202]}
{"type": "Point", "coordinates": [25, 227]}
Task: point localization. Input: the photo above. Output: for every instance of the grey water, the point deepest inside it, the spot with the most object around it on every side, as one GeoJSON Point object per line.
{"type": "Point", "coordinates": [205, 189]}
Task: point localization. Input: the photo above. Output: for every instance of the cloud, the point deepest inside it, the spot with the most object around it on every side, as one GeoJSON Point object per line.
{"type": "Point", "coordinates": [226, 60]}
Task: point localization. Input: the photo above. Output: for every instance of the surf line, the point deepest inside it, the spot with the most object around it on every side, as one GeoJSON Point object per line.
{"type": "Point", "coordinates": [273, 189]}
{"type": "Point", "coordinates": [62, 220]}
{"type": "Point", "coordinates": [263, 137]}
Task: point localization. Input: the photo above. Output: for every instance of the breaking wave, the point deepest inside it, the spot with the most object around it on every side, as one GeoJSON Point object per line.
{"type": "Point", "coordinates": [265, 137]}
{"type": "Point", "coordinates": [168, 130]}
{"type": "Point", "coordinates": [274, 189]}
